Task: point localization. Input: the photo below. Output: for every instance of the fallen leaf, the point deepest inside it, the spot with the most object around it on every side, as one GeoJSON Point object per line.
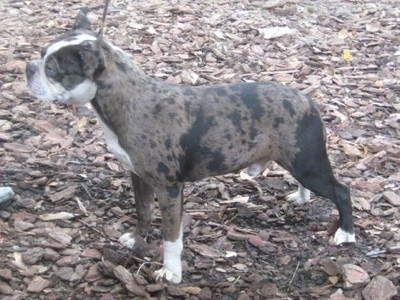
{"type": "Point", "coordinates": [350, 150]}
{"type": "Point", "coordinates": [346, 55]}
{"type": "Point", "coordinates": [333, 279]}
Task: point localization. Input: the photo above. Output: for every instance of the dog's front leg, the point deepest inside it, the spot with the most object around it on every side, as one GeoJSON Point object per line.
{"type": "Point", "coordinates": [170, 202]}
{"type": "Point", "coordinates": [144, 203]}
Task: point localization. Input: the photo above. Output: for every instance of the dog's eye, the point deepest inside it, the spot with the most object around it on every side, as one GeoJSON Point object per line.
{"type": "Point", "coordinates": [50, 70]}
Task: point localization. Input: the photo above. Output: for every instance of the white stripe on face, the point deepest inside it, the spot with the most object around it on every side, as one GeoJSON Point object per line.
{"type": "Point", "coordinates": [47, 89]}
{"type": "Point", "coordinates": [61, 44]}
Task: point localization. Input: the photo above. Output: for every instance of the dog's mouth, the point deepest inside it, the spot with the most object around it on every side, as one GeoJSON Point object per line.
{"type": "Point", "coordinates": [39, 92]}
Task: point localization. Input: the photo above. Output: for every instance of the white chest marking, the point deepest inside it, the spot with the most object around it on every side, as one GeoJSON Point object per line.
{"type": "Point", "coordinates": [115, 148]}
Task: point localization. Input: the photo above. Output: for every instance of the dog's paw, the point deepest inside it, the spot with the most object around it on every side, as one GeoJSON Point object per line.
{"type": "Point", "coordinates": [128, 240]}
{"type": "Point", "coordinates": [174, 276]}
{"type": "Point", "coordinates": [300, 197]}
{"type": "Point", "coordinates": [342, 237]}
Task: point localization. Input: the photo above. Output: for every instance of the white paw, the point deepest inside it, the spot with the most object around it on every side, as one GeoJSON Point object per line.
{"type": "Point", "coordinates": [128, 240]}
{"type": "Point", "coordinates": [252, 171]}
{"type": "Point", "coordinates": [300, 197]}
{"type": "Point", "coordinates": [172, 267]}
{"type": "Point", "coordinates": [174, 276]}
{"type": "Point", "coordinates": [341, 237]}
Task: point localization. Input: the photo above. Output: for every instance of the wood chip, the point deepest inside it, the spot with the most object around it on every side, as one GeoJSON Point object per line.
{"type": "Point", "coordinates": [38, 284]}
{"type": "Point", "coordinates": [379, 288]}
{"type": "Point", "coordinates": [123, 274]}
{"type": "Point", "coordinates": [354, 276]}
{"type": "Point", "coordinates": [33, 255]}
{"type": "Point", "coordinates": [59, 235]}
{"type": "Point", "coordinates": [56, 216]}
{"type": "Point", "coordinates": [392, 197]}
{"type": "Point", "coordinates": [5, 288]}
{"type": "Point", "coordinates": [65, 194]}
{"type": "Point", "coordinates": [65, 273]}
{"type": "Point", "coordinates": [206, 251]}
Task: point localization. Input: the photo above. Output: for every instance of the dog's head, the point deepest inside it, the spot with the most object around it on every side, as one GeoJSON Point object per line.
{"type": "Point", "coordinates": [68, 66]}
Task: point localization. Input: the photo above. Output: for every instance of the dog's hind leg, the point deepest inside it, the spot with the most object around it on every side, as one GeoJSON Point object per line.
{"type": "Point", "coordinates": [170, 201]}
{"type": "Point", "coordinates": [311, 167]}
{"type": "Point", "coordinates": [299, 197]}
{"type": "Point", "coordinates": [322, 182]}
{"type": "Point", "coordinates": [144, 203]}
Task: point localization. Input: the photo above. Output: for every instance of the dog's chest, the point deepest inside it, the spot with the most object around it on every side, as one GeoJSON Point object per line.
{"type": "Point", "coordinates": [115, 148]}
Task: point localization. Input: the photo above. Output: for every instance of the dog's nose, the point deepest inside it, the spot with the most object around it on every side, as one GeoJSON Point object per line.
{"type": "Point", "coordinates": [30, 69]}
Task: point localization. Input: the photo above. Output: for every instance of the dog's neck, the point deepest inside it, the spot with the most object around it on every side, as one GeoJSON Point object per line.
{"type": "Point", "coordinates": [119, 71]}
{"type": "Point", "coordinates": [121, 79]}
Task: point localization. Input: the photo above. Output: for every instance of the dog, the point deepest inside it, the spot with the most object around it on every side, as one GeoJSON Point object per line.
{"type": "Point", "coordinates": [167, 134]}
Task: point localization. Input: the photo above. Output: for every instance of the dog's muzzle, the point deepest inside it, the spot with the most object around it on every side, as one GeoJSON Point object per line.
{"type": "Point", "coordinates": [31, 69]}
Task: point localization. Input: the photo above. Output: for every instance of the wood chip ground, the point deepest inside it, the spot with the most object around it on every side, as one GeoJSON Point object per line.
{"type": "Point", "coordinates": [58, 237]}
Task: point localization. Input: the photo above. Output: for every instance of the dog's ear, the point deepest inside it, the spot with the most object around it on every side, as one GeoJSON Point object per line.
{"type": "Point", "coordinates": [82, 21]}
{"type": "Point", "coordinates": [92, 58]}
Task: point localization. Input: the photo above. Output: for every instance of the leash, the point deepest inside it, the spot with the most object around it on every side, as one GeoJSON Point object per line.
{"type": "Point", "coordinates": [103, 19]}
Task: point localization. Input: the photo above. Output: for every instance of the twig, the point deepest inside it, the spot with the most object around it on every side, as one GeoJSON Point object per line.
{"type": "Point", "coordinates": [86, 190]}
{"type": "Point", "coordinates": [294, 274]}
{"type": "Point", "coordinates": [81, 206]}
{"type": "Point", "coordinates": [147, 263]}
{"type": "Point", "coordinates": [236, 280]}
{"type": "Point", "coordinates": [92, 227]}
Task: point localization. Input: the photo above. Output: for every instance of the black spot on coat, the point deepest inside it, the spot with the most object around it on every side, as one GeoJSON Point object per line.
{"type": "Point", "coordinates": [250, 98]}
{"type": "Point", "coordinates": [278, 121]}
{"type": "Point", "coordinates": [173, 191]}
{"type": "Point", "coordinates": [195, 153]}
{"type": "Point", "coordinates": [289, 107]}
{"type": "Point", "coordinates": [163, 169]}
{"type": "Point", "coordinates": [167, 143]}
{"type": "Point", "coordinates": [236, 120]}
